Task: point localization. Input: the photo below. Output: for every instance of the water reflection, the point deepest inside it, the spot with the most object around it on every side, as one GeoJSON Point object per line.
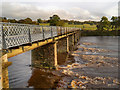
{"type": "Point", "coordinates": [19, 71]}
{"type": "Point", "coordinates": [42, 78]}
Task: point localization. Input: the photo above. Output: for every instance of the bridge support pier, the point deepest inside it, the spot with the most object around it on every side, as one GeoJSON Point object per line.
{"type": "Point", "coordinates": [1, 81]}
{"type": "Point", "coordinates": [68, 44]}
{"type": "Point", "coordinates": [76, 37]}
{"type": "Point", "coordinates": [46, 56]}
{"type": "Point", "coordinates": [73, 39]}
{"type": "Point", "coordinates": [4, 79]}
{"type": "Point", "coordinates": [55, 54]}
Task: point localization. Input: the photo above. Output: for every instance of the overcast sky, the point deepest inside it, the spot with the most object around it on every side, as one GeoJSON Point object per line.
{"type": "Point", "coordinates": [66, 9]}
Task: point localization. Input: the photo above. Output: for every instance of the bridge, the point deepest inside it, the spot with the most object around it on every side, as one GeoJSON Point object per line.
{"type": "Point", "coordinates": [19, 38]}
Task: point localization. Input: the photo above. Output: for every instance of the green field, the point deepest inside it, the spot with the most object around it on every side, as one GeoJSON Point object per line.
{"type": "Point", "coordinates": [83, 27]}
{"type": "Point", "coordinates": [44, 24]}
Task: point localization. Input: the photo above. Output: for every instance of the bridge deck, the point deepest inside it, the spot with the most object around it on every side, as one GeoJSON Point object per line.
{"type": "Point", "coordinates": [20, 50]}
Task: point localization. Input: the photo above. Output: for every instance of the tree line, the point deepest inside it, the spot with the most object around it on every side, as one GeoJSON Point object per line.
{"type": "Point", "coordinates": [55, 20]}
{"type": "Point", "coordinates": [105, 24]}
{"type": "Point", "coordinates": [22, 21]}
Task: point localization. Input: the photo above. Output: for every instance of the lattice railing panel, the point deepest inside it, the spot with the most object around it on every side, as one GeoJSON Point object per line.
{"type": "Point", "coordinates": [47, 32]}
{"type": "Point", "coordinates": [12, 35]}
{"type": "Point", "coordinates": [59, 32]}
{"type": "Point", "coordinates": [54, 30]}
{"type": "Point", "coordinates": [36, 33]}
{"type": "Point", "coordinates": [15, 34]}
{"type": "Point", "coordinates": [0, 36]}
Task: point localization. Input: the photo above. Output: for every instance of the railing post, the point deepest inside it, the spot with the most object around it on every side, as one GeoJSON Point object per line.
{"type": "Point", "coordinates": [51, 32]}
{"type": "Point", "coordinates": [67, 30]}
{"type": "Point", "coordinates": [3, 39]}
{"type": "Point", "coordinates": [43, 33]}
{"type": "Point", "coordinates": [79, 33]}
{"type": "Point", "coordinates": [73, 39]}
{"type": "Point", "coordinates": [57, 30]}
{"type": "Point", "coordinates": [61, 30]}
{"type": "Point", "coordinates": [29, 35]}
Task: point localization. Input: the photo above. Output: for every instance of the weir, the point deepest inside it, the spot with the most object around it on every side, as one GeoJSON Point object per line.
{"type": "Point", "coordinates": [48, 41]}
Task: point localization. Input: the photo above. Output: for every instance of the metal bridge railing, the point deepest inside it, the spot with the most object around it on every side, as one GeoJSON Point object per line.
{"type": "Point", "coordinates": [13, 34]}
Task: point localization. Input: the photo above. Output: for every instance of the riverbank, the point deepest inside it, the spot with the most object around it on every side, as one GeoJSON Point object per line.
{"type": "Point", "coordinates": [100, 33]}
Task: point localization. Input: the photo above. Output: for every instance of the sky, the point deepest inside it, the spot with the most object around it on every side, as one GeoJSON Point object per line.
{"type": "Point", "coordinates": [80, 10]}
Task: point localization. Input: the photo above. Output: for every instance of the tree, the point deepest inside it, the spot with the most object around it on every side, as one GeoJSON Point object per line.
{"type": "Point", "coordinates": [60, 23]}
{"type": "Point", "coordinates": [118, 22]}
{"type": "Point", "coordinates": [3, 19]}
{"type": "Point", "coordinates": [39, 20]}
{"type": "Point", "coordinates": [54, 20]}
{"type": "Point", "coordinates": [0, 19]}
{"type": "Point", "coordinates": [28, 21]}
{"type": "Point", "coordinates": [114, 22]}
{"type": "Point", "coordinates": [104, 24]}
{"type": "Point", "coordinates": [21, 21]}
{"type": "Point", "coordinates": [12, 20]}
{"type": "Point", "coordinates": [35, 23]}
{"type": "Point", "coordinates": [25, 21]}
{"type": "Point", "coordinates": [71, 22]}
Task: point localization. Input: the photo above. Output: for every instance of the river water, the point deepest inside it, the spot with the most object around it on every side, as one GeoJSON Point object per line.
{"type": "Point", "coordinates": [94, 64]}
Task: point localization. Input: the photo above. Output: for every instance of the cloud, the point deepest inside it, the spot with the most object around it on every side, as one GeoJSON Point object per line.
{"type": "Point", "coordinates": [60, 0]}
{"type": "Point", "coordinates": [19, 11]}
{"type": "Point", "coordinates": [82, 14]}
{"type": "Point", "coordinates": [64, 10]}
{"type": "Point", "coordinates": [113, 10]}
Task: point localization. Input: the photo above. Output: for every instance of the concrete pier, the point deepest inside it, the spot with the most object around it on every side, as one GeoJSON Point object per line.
{"type": "Point", "coordinates": [55, 54]}
{"type": "Point", "coordinates": [1, 81]}
{"type": "Point", "coordinates": [4, 81]}
{"type": "Point", "coordinates": [68, 44]}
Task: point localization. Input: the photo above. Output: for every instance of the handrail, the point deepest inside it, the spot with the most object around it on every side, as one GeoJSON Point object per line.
{"type": "Point", "coordinates": [14, 34]}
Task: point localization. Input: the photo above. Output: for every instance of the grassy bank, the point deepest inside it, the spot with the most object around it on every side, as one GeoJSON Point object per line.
{"type": "Point", "coordinates": [44, 24]}
{"type": "Point", "coordinates": [83, 27]}
{"type": "Point", "coordinates": [90, 30]}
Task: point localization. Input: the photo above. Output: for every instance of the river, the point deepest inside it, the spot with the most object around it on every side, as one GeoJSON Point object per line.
{"type": "Point", "coordinates": [94, 64]}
